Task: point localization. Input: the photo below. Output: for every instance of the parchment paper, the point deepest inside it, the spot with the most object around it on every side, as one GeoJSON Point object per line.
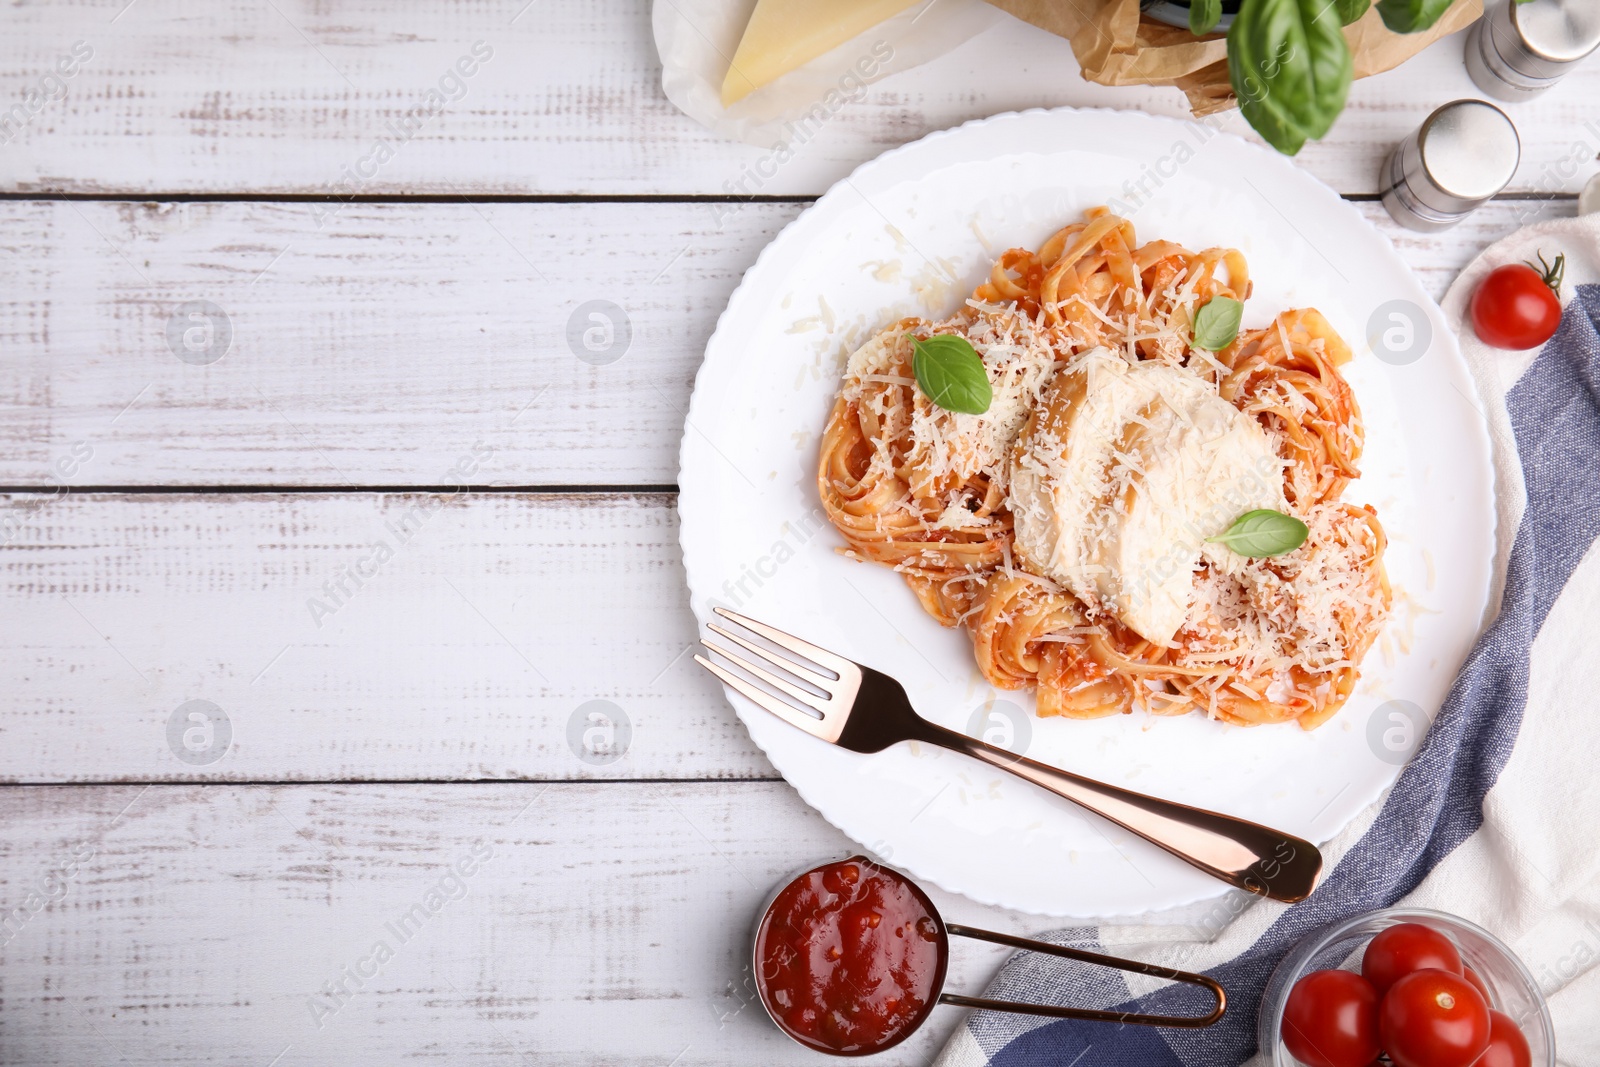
{"type": "Point", "coordinates": [1115, 46]}
{"type": "Point", "coordinates": [697, 39]}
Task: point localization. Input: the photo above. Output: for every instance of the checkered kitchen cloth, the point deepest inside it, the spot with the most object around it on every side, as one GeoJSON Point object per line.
{"type": "Point", "coordinates": [1496, 818]}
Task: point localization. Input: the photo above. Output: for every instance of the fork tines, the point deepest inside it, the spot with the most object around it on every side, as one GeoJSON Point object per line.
{"type": "Point", "coordinates": [810, 691]}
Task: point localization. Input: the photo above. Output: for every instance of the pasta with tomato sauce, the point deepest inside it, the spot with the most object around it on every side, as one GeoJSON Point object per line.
{"type": "Point", "coordinates": [1071, 528]}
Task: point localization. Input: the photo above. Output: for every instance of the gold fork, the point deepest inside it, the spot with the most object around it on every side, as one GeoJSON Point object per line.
{"type": "Point", "coordinates": [863, 710]}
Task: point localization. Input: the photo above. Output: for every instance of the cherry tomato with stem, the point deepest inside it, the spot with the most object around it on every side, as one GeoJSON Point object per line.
{"type": "Point", "coordinates": [1518, 305]}
{"type": "Point", "coordinates": [1507, 1046]}
{"type": "Point", "coordinates": [1433, 1018]}
{"type": "Point", "coordinates": [1331, 1020]}
{"type": "Point", "coordinates": [1404, 948]}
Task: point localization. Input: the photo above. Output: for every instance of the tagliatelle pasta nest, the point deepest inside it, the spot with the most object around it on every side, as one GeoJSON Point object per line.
{"type": "Point", "coordinates": [1070, 527]}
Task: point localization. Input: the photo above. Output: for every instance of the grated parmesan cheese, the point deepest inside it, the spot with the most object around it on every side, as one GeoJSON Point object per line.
{"type": "Point", "coordinates": [954, 447]}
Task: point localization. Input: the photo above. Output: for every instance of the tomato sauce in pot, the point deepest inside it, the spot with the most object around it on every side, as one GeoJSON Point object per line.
{"type": "Point", "coordinates": [850, 958]}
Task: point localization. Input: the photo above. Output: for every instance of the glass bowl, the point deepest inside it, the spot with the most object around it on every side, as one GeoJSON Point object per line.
{"type": "Point", "coordinates": [1512, 989]}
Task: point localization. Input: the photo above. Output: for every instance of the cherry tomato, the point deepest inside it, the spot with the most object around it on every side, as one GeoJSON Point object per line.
{"type": "Point", "coordinates": [1472, 976]}
{"type": "Point", "coordinates": [1404, 948]}
{"type": "Point", "coordinates": [1507, 1046]}
{"type": "Point", "coordinates": [1433, 1018]}
{"type": "Point", "coordinates": [1519, 305]}
{"type": "Point", "coordinates": [1331, 1020]}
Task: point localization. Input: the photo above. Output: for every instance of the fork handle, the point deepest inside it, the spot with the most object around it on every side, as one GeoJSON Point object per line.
{"type": "Point", "coordinates": [1248, 855]}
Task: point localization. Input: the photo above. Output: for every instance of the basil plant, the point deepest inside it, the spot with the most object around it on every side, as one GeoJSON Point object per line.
{"type": "Point", "coordinates": [1289, 62]}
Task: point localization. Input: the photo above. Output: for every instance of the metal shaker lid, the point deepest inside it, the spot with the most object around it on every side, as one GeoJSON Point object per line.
{"type": "Point", "coordinates": [1467, 151]}
{"type": "Point", "coordinates": [1549, 35]}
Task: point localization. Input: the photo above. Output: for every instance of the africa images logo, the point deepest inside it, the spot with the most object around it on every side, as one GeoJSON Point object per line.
{"type": "Point", "coordinates": [43, 892]}
{"type": "Point", "coordinates": [199, 732]}
{"type": "Point", "coordinates": [401, 930]}
{"type": "Point", "coordinates": [199, 332]}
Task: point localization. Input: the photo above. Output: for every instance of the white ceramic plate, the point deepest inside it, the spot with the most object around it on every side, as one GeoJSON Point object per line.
{"type": "Point", "coordinates": [911, 233]}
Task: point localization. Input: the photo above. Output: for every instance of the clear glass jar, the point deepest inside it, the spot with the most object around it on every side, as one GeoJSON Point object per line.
{"type": "Point", "coordinates": [1339, 947]}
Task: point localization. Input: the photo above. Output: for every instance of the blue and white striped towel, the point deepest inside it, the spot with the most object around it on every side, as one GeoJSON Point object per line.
{"type": "Point", "coordinates": [1496, 818]}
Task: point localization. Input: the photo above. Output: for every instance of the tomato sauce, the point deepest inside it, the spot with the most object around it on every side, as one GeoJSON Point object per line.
{"type": "Point", "coordinates": [851, 958]}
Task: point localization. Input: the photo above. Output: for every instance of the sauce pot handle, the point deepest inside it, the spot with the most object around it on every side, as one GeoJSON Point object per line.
{"type": "Point", "coordinates": [1052, 1011]}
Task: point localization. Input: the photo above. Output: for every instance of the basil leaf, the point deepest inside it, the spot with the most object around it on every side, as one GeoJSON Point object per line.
{"type": "Point", "coordinates": [1290, 67]}
{"type": "Point", "coordinates": [951, 374]}
{"type": "Point", "coordinates": [1217, 324]}
{"type": "Point", "coordinates": [1411, 16]}
{"type": "Point", "coordinates": [1263, 533]}
{"type": "Point", "coordinates": [1350, 10]}
{"type": "Point", "coordinates": [1204, 16]}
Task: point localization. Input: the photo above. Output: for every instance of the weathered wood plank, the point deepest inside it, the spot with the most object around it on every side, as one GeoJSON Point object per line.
{"type": "Point", "coordinates": [353, 636]}
{"type": "Point", "coordinates": [388, 344]}
{"type": "Point", "coordinates": [599, 925]}
{"type": "Point", "coordinates": [377, 349]}
{"type": "Point", "coordinates": [295, 96]}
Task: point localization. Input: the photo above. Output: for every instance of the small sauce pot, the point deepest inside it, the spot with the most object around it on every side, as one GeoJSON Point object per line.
{"type": "Point", "coordinates": [850, 959]}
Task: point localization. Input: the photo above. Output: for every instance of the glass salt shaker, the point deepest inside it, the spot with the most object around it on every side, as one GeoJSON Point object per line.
{"type": "Point", "coordinates": [1462, 155]}
{"type": "Point", "coordinates": [1518, 50]}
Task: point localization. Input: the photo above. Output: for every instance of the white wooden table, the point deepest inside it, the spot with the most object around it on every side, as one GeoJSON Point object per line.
{"type": "Point", "coordinates": [399, 373]}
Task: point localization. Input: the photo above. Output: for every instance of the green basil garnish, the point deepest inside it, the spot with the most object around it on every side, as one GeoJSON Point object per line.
{"type": "Point", "coordinates": [950, 373]}
{"type": "Point", "coordinates": [1217, 324]}
{"type": "Point", "coordinates": [1411, 16]}
{"type": "Point", "coordinates": [1263, 533]}
{"type": "Point", "coordinates": [1350, 10]}
{"type": "Point", "coordinates": [1290, 66]}
{"type": "Point", "coordinates": [1204, 16]}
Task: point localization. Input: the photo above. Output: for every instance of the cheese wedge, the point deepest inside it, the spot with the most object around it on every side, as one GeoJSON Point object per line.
{"type": "Point", "coordinates": [785, 34]}
{"type": "Point", "coordinates": [1121, 474]}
